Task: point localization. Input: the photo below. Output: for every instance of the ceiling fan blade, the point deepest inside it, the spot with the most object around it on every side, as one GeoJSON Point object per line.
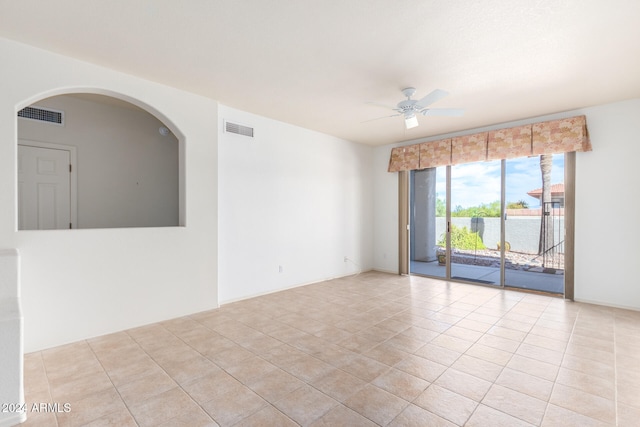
{"type": "Point", "coordinates": [451, 112]}
{"type": "Point", "coordinates": [378, 118]}
{"type": "Point", "coordinates": [377, 104]}
{"type": "Point", "coordinates": [431, 98]}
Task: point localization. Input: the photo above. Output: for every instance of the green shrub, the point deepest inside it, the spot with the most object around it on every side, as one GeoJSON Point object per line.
{"type": "Point", "coordinates": [483, 210]}
{"type": "Point", "coordinates": [520, 204]}
{"type": "Point", "coordinates": [463, 238]}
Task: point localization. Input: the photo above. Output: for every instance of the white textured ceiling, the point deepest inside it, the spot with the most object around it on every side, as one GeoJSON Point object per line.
{"type": "Point", "coordinates": [316, 63]}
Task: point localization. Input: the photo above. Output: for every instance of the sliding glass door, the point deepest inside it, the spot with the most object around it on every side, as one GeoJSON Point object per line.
{"type": "Point", "coordinates": [497, 223]}
{"type": "Point", "coordinates": [475, 222]}
{"type": "Point", "coordinates": [428, 220]}
{"type": "Point", "coordinates": [534, 226]}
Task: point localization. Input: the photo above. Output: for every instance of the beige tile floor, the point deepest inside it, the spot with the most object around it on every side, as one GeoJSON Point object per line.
{"type": "Point", "coordinates": [374, 349]}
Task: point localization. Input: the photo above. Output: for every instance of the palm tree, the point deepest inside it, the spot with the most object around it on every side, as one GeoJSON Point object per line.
{"type": "Point", "coordinates": [546, 223]}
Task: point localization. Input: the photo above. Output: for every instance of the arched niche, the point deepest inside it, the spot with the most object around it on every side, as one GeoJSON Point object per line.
{"type": "Point", "coordinates": [95, 159]}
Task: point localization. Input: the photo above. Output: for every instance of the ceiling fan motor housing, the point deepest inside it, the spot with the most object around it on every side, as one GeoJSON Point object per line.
{"type": "Point", "coordinates": [407, 106]}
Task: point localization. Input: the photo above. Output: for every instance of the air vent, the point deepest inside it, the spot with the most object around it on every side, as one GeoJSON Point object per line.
{"type": "Point", "coordinates": [42, 115]}
{"type": "Point", "coordinates": [239, 129]}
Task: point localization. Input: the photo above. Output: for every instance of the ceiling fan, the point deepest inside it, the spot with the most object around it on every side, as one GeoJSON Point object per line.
{"type": "Point", "coordinates": [409, 108]}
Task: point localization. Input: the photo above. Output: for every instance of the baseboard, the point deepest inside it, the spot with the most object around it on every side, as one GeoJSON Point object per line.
{"type": "Point", "coordinates": [605, 304]}
{"type": "Point", "coordinates": [273, 291]}
{"type": "Point", "coordinates": [13, 419]}
{"type": "Point", "coordinates": [380, 270]}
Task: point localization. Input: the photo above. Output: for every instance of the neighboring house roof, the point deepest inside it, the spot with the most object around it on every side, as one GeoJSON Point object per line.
{"type": "Point", "coordinates": [556, 190]}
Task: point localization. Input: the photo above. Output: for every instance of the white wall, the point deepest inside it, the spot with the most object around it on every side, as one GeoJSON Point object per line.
{"type": "Point", "coordinates": [606, 188]}
{"type": "Point", "coordinates": [607, 183]}
{"type": "Point", "coordinates": [82, 283]}
{"type": "Point", "coordinates": [127, 172]}
{"type": "Point", "coordinates": [385, 208]}
{"type": "Point", "coordinates": [11, 360]}
{"type": "Point", "coordinates": [290, 197]}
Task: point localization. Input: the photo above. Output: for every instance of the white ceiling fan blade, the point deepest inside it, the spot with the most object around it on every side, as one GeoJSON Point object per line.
{"type": "Point", "coordinates": [451, 112]}
{"type": "Point", "coordinates": [378, 118]}
{"type": "Point", "coordinates": [431, 98]}
{"type": "Point", "coordinates": [377, 104]}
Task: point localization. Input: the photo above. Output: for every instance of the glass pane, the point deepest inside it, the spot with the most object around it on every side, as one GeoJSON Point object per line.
{"type": "Point", "coordinates": [428, 221]}
{"type": "Point", "coordinates": [534, 229]}
{"type": "Point", "coordinates": [475, 222]}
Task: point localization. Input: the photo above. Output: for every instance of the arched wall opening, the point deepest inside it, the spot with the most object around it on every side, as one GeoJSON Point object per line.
{"type": "Point", "coordinates": [79, 284]}
{"type": "Point", "coordinates": [125, 163]}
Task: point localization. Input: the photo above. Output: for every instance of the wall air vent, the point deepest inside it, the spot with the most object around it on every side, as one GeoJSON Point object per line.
{"type": "Point", "coordinates": [239, 129]}
{"type": "Point", "coordinates": [42, 115]}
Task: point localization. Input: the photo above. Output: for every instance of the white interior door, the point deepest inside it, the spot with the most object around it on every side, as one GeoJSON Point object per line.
{"type": "Point", "coordinates": [44, 188]}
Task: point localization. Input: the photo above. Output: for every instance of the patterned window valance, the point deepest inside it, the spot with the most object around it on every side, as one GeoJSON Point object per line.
{"type": "Point", "coordinates": [560, 136]}
{"type": "Point", "coordinates": [405, 158]}
{"type": "Point", "coordinates": [552, 137]}
{"type": "Point", "coordinates": [438, 153]}
{"type": "Point", "coordinates": [509, 143]}
{"type": "Point", "coordinates": [469, 148]}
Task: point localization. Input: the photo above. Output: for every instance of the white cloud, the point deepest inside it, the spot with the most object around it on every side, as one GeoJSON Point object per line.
{"type": "Point", "coordinates": [475, 183]}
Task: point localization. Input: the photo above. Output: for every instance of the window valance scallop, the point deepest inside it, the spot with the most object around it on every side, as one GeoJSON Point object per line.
{"type": "Point", "coordinates": [551, 137]}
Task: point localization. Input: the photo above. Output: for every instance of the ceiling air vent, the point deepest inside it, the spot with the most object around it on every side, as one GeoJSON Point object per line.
{"type": "Point", "coordinates": [239, 129]}
{"type": "Point", "coordinates": [42, 115]}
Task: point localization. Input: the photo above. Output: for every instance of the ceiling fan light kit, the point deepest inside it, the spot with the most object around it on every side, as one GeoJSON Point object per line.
{"type": "Point", "coordinates": [410, 121]}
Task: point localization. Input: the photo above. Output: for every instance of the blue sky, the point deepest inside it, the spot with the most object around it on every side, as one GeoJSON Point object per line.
{"type": "Point", "coordinates": [476, 183]}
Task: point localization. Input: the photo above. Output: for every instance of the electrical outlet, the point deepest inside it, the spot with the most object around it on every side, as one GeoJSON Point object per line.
{"type": "Point", "coordinates": [280, 269]}
{"type": "Point", "coordinates": [346, 259]}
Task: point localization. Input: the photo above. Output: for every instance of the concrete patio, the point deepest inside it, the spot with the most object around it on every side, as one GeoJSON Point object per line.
{"type": "Point", "coordinates": [530, 280]}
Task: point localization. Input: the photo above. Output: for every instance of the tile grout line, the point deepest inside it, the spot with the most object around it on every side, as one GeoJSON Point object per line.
{"type": "Point", "coordinates": [180, 385]}
{"type": "Point", "coordinates": [462, 354]}
{"type": "Point", "coordinates": [493, 383]}
{"type": "Point", "coordinates": [564, 353]}
{"type": "Point", "coordinates": [262, 358]}
{"type": "Point", "coordinates": [111, 380]}
{"type": "Point", "coordinates": [44, 366]}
